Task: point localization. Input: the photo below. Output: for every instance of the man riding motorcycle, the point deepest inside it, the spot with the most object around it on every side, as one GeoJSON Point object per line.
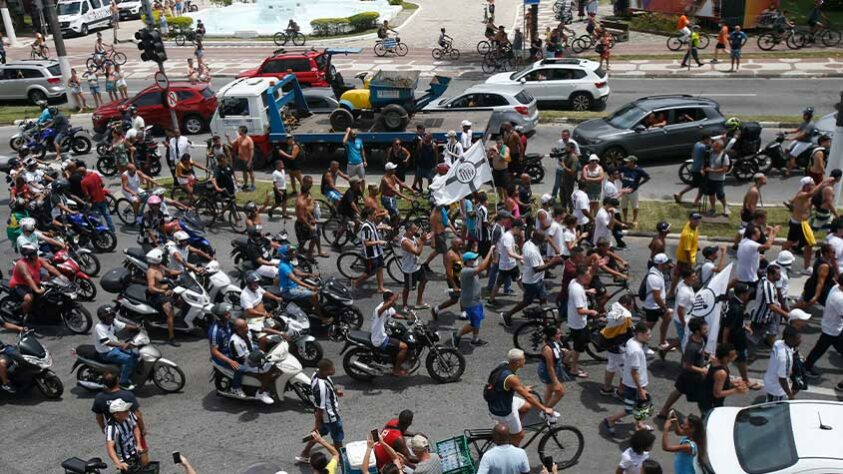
{"type": "Point", "coordinates": [257, 252]}
{"type": "Point", "coordinates": [110, 349]}
{"type": "Point", "coordinates": [181, 250]}
{"type": "Point", "coordinates": [244, 350]}
{"type": "Point", "coordinates": [152, 223]}
{"type": "Point", "coordinates": [252, 296]}
{"type": "Point", "coordinates": [60, 126]}
{"type": "Point", "coordinates": [801, 139]}
{"type": "Point", "coordinates": [219, 337]}
{"type": "Point", "coordinates": [5, 362]}
{"type": "Point", "coordinates": [26, 276]}
{"type": "Point", "coordinates": [381, 340]}
{"type": "Point", "coordinates": [293, 288]}
{"type": "Point", "coordinates": [30, 235]}
{"type": "Point", "coordinates": [158, 293]}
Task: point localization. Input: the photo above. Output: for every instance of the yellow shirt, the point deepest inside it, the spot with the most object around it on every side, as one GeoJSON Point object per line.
{"type": "Point", "coordinates": [689, 242]}
{"type": "Point", "coordinates": [331, 468]}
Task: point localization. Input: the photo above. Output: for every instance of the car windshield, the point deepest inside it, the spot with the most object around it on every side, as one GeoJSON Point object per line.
{"type": "Point", "coordinates": [69, 8]}
{"type": "Point", "coordinates": [524, 97]}
{"type": "Point", "coordinates": [764, 438]}
{"type": "Point", "coordinates": [627, 116]}
{"type": "Point", "coordinates": [600, 73]}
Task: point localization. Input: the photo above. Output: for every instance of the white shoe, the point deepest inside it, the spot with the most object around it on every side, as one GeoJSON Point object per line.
{"type": "Point", "coordinates": [237, 392]}
{"type": "Point", "coordinates": [726, 211]}
{"type": "Point", "coordinates": [264, 397]}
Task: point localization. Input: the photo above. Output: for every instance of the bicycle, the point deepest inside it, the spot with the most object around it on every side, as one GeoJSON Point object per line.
{"type": "Point", "coordinates": [530, 338]}
{"type": "Point", "coordinates": [829, 38]}
{"type": "Point", "coordinates": [182, 35]}
{"type": "Point", "coordinates": [111, 56]}
{"type": "Point", "coordinates": [211, 208]}
{"type": "Point", "coordinates": [352, 264]}
{"type": "Point", "coordinates": [677, 41]}
{"type": "Point", "coordinates": [792, 37]}
{"type": "Point", "coordinates": [42, 53]}
{"type": "Point", "coordinates": [586, 42]}
{"type": "Point", "coordinates": [565, 449]}
{"type": "Point", "coordinates": [447, 50]}
{"type": "Point", "coordinates": [498, 60]}
{"type": "Point", "coordinates": [390, 46]}
{"type": "Point", "coordinates": [282, 37]}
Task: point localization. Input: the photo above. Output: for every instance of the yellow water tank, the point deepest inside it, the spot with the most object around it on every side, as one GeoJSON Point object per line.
{"type": "Point", "coordinates": [359, 98]}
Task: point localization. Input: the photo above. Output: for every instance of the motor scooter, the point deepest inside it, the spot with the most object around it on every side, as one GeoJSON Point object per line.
{"type": "Point", "coordinates": [774, 156]}
{"type": "Point", "coordinates": [295, 323]}
{"type": "Point", "coordinates": [31, 364]}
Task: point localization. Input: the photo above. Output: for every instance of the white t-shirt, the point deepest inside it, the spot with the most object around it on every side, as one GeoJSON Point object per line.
{"type": "Point", "coordinates": [631, 461]}
{"type": "Point", "coordinates": [556, 232]}
{"type": "Point", "coordinates": [279, 179]}
{"type": "Point", "coordinates": [561, 145]}
{"type": "Point", "coordinates": [837, 243]}
{"type": "Point", "coordinates": [576, 299]}
{"type": "Point", "coordinates": [634, 358]}
{"type": "Point", "coordinates": [610, 189]}
{"type": "Point", "coordinates": [580, 202]}
{"type": "Point", "coordinates": [173, 264]}
{"type": "Point", "coordinates": [748, 260]}
{"type": "Point", "coordinates": [601, 225]}
{"type": "Point", "coordinates": [707, 272]}
{"type": "Point", "coordinates": [378, 322]}
{"type": "Point", "coordinates": [138, 123]}
{"type": "Point", "coordinates": [249, 299]}
{"type": "Point", "coordinates": [182, 148]}
{"type": "Point", "coordinates": [655, 281]}
{"type": "Point", "coordinates": [104, 333]}
{"type": "Point", "coordinates": [532, 258]}
{"type": "Point", "coordinates": [779, 367]}
{"type": "Point", "coordinates": [507, 242]}
{"type": "Point", "coordinates": [685, 299]}
{"type": "Point", "coordinates": [832, 323]}
{"type": "Point", "coordinates": [504, 459]}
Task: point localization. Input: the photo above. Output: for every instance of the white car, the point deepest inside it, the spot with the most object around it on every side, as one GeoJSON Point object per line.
{"type": "Point", "coordinates": [512, 103]}
{"type": "Point", "coordinates": [130, 9]}
{"type": "Point", "coordinates": [578, 83]}
{"type": "Point", "coordinates": [799, 436]}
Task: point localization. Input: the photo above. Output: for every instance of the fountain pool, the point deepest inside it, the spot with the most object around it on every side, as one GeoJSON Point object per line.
{"type": "Point", "coordinates": [266, 17]}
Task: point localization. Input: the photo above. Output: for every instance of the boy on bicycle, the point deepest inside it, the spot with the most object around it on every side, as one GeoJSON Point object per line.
{"type": "Point", "coordinates": [445, 41]}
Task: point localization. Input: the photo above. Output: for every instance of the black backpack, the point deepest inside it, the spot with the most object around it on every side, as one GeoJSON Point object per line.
{"type": "Point", "coordinates": [489, 389]}
{"type": "Point", "coordinates": [642, 288]}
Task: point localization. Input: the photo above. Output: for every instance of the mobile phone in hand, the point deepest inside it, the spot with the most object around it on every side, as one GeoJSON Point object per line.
{"type": "Point", "coordinates": [375, 436]}
{"type": "Point", "coordinates": [307, 438]}
{"type": "Point", "coordinates": [548, 462]}
{"type": "Point", "coordinates": [176, 457]}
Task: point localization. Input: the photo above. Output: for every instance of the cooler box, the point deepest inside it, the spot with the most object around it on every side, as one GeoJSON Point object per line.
{"type": "Point", "coordinates": [352, 458]}
{"type": "Point", "coordinates": [455, 455]}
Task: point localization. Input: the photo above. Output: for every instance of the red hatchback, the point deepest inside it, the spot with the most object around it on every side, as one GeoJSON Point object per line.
{"type": "Point", "coordinates": [312, 68]}
{"type": "Point", "coordinates": [196, 105]}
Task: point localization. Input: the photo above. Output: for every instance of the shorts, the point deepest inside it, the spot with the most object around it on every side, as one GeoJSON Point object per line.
{"type": "Point", "coordinates": [130, 197]}
{"type": "Point", "coordinates": [109, 87]}
{"type": "Point", "coordinates": [22, 291]}
{"type": "Point", "coordinates": [697, 179]}
{"type": "Point", "coordinates": [500, 177]}
{"type": "Point", "coordinates": [390, 345]}
{"type": "Point", "coordinates": [334, 428]}
{"type": "Point", "coordinates": [630, 399]}
{"type": "Point", "coordinates": [680, 330]}
{"type": "Point", "coordinates": [94, 89]}
{"type": "Point", "coordinates": [262, 369]}
{"type": "Point", "coordinates": [188, 180]}
{"type": "Point", "coordinates": [742, 355]}
{"type": "Point", "coordinates": [614, 363]}
{"type": "Point", "coordinates": [243, 165]}
{"type": "Point", "coordinates": [580, 339]}
{"type": "Point", "coordinates": [533, 291]}
{"type": "Point", "coordinates": [440, 244]}
{"type": "Point", "coordinates": [654, 315]}
{"type": "Point", "coordinates": [776, 398]}
{"type": "Point", "coordinates": [475, 315]}
{"type": "Point", "coordinates": [333, 195]}
{"type": "Point", "coordinates": [796, 148]}
{"type": "Point", "coordinates": [304, 233]}
{"type": "Point", "coordinates": [690, 384]}
{"type": "Point", "coordinates": [156, 300]}
{"type": "Point", "coordinates": [544, 376]}
{"type": "Point", "coordinates": [427, 173]}
{"type": "Point", "coordinates": [298, 294]}
{"type": "Point", "coordinates": [720, 46]}
{"type": "Point", "coordinates": [373, 264]}
{"type": "Point", "coordinates": [414, 278]}
{"type": "Point", "coordinates": [280, 196]}
{"type": "Point", "coordinates": [512, 274]}
{"type": "Point", "coordinates": [796, 233]}
{"type": "Point", "coordinates": [516, 166]}
{"type": "Point", "coordinates": [715, 188]}
{"type": "Point", "coordinates": [292, 165]}
{"type": "Point", "coordinates": [512, 421]}
{"type": "Point", "coordinates": [356, 170]}
{"type": "Point", "coordinates": [390, 203]}
{"type": "Point", "coordinates": [630, 199]}
{"type": "Point", "coordinates": [735, 54]}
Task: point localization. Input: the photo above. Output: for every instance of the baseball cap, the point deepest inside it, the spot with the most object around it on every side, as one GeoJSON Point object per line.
{"type": "Point", "coordinates": [806, 180]}
{"type": "Point", "coordinates": [797, 315]}
{"type": "Point", "coordinates": [466, 123]}
{"type": "Point", "coordinates": [452, 133]}
{"type": "Point", "coordinates": [546, 198]}
{"type": "Point", "coordinates": [785, 258]}
{"type": "Point", "coordinates": [419, 443]}
{"type": "Point", "coordinates": [119, 405]}
{"type": "Point", "coordinates": [391, 166]}
{"type": "Point", "coordinates": [631, 158]}
{"type": "Point", "coordinates": [593, 157]}
{"type": "Point", "coordinates": [469, 256]}
{"type": "Point", "coordinates": [660, 259]}
{"type": "Point", "coordinates": [694, 216]}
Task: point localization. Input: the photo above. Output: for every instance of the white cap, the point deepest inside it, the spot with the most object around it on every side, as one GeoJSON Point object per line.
{"type": "Point", "coordinates": [660, 259]}
{"type": "Point", "coordinates": [391, 166]}
{"type": "Point", "coordinates": [593, 157]}
{"type": "Point", "coordinates": [546, 198]}
{"type": "Point", "coordinates": [181, 235]}
{"type": "Point", "coordinates": [785, 258]}
{"type": "Point", "coordinates": [119, 405]}
{"type": "Point", "coordinates": [419, 443]}
{"type": "Point", "coordinates": [797, 315]}
{"type": "Point", "coordinates": [806, 180]}
{"type": "Point", "coordinates": [466, 123]}
{"type": "Point", "coordinates": [451, 133]}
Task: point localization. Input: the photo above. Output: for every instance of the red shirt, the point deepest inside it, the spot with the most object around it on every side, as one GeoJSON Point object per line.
{"type": "Point", "coordinates": [93, 187]}
{"type": "Point", "coordinates": [390, 435]}
{"type": "Point", "coordinates": [18, 278]}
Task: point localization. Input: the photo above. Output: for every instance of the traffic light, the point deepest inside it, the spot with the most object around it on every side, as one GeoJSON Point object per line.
{"type": "Point", "coordinates": [152, 45]}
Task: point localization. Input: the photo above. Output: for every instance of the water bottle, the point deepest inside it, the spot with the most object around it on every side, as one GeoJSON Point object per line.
{"type": "Point", "coordinates": [317, 210]}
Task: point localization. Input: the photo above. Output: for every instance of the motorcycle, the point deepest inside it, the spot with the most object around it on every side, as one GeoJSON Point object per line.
{"type": "Point", "coordinates": [293, 321]}
{"type": "Point", "coordinates": [58, 302]}
{"type": "Point", "coordinates": [90, 230]}
{"type": "Point", "coordinates": [68, 267]}
{"type": "Point", "coordinates": [243, 266]}
{"type": "Point", "coordinates": [336, 302]}
{"type": "Point", "coordinates": [26, 129]}
{"type": "Point", "coordinates": [364, 362]}
{"type": "Point", "coordinates": [87, 261]}
{"type": "Point", "coordinates": [31, 365]}
{"type": "Point", "coordinates": [286, 372]}
{"type": "Point", "coordinates": [533, 166]}
{"type": "Point", "coordinates": [40, 141]}
{"type": "Point", "coordinates": [164, 373]}
{"type": "Point", "coordinates": [774, 156]}
{"type": "Point", "coordinates": [743, 168]}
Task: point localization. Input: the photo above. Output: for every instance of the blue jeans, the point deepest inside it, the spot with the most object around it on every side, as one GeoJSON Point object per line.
{"type": "Point", "coordinates": [102, 209]}
{"type": "Point", "coordinates": [557, 183]}
{"type": "Point", "coordinates": [125, 359]}
{"type": "Point", "coordinates": [493, 277]}
{"type": "Point", "coordinates": [237, 380]}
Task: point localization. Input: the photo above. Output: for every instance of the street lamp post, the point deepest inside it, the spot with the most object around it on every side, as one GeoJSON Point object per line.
{"type": "Point", "coordinates": [61, 52]}
{"type": "Point", "coordinates": [7, 24]}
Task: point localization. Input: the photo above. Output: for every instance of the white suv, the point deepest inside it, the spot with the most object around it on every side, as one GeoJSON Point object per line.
{"type": "Point", "coordinates": [579, 83]}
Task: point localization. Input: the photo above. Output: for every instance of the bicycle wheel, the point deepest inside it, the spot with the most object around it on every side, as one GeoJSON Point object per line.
{"type": "Point", "coordinates": [483, 47]}
{"type": "Point", "coordinates": [796, 40]}
{"type": "Point", "coordinates": [280, 39]}
{"type": "Point", "coordinates": [767, 41]}
{"type": "Point", "coordinates": [436, 53]}
{"type": "Point", "coordinates": [401, 49]}
{"type": "Point", "coordinates": [119, 58]}
{"type": "Point", "coordinates": [207, 211]}
{"type": "Point", "coordinates": [675, 43]}
{"type": "Point", "coordinates": [380, 51]}
{"type": "Point", "coordinates": [393, 267]}
{"type": "Point", "coordinates": [529, 337]}
{"type": "Point", "coordinates": [351, 265]}
{"type": "Point", "coordinates": [455, 54]}
{"type": "Point", "coordinates": [299, 39]}
{"type": "Point", "coordinates": [830, 38]}
{"type": "Point", "coordinates": [579, 45]}
{"type": "Point", "coordinates": [92, 64]}
{"type": "Point", "coordinates": [489, 64]}
{"type": "Point", "coordinates": [125, 211]}
{"type": "Point", "coordinates": [704, 41]}
{"type": "Point", "coordinates": [564, 444]}
{"type": "Point", "coordinates": [236, 219]}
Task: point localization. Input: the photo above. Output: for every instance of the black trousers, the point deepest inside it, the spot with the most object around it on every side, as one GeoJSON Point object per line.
{"type": "Point", "coordinates": [825, 341]}
{"type": "Point", "coordinates": [691, 53]}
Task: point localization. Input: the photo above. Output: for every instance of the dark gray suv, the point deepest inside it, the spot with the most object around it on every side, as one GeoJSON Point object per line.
{"type": "Point", "coordinates": [656, 127]}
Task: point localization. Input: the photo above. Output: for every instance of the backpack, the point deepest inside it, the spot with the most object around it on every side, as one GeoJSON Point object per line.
{"type": "Point", "coordinates": [381, 33]}
{"type": "Point", "coordinates": [642, 288]}
{"type": "Point", "coordinates": [799, 374]}
{"type": "Point", "coordinates": [489, 389]}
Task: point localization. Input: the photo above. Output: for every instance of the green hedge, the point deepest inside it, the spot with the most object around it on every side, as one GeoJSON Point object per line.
{"type": "Point", "coordinates": [363, 21]}
{"type": "Point", "coordinates": [337, 26]}
{"type": "Point", "coordinates": [172, 21]}
{"type": "Point", "coordinates": [654, 22]}
{"type": "Point", "coordinates": [396, 2]}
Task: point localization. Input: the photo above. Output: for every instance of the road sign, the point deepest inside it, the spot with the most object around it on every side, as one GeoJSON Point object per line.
{"type": "Point", "coordinates": [172, 100]}
{"type": "Point", "coordinates": [161, 80]}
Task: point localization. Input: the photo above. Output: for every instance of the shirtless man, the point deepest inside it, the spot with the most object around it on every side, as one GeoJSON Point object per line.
{"type": "Point", "coordinates": [453, 267]}
{"type": "Point", "coordinates": [817, 161]}
{"type": "Point", "coordinates": [390, 188]}
{"type": "Point", "coordinates": [799, 232]}
{"type": "Point", "coordinates": [659, 242]}
{"type": "Point", "coordinates": [752, 198]}
{"type": "Point", "coordinates": [823, 203]}
{"type": "Point", "coordinates": [607, 262]}
{"type": "Point", "coordinates": [305, 225]}
{"type": "Point", "coordinates": [329, 183]}
{"type": "Point", "coordinates": [244, 149]}
{"type": "Point", "coordinates": [131, 182]}
{"type": "Point", "coordinates": [372, 202]}
{"type": "Point", "coordinates": [157, 293]}
{"type": "Point", "coordinates": [438, 226]}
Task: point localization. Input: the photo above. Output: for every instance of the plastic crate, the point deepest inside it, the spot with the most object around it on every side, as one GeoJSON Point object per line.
{"type": "Point", "coordinates": [357, 449]}
{"type": "Point", "coordinates": [455, 455]}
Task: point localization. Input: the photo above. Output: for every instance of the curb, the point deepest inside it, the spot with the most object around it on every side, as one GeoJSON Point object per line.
{"type": "Point", "coordinates": [569, 120]}
{"type": "Point", "coordinates": [778, 241]}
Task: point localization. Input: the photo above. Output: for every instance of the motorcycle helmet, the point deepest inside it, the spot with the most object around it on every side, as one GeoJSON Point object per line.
{"type": "Point", "coordinates": [252, 277]}
{"type": "Point", "coordinates": [28, 249]}
{"type": "Point", "coordinates": [284, 251]}
{"type": "Point", "coordinates": [254, 231]}
{"type": "Point", "coordinates": [53, 110]}
{"type": "Point", "coordinates": [181, 236]}
{"type": "Point", "coordinates": [155, 256]}
{"type": "Point", "coordinates": [154, 200]}
{"type": "Point", "coordinates": [466, 123]}
{"type": "Point", "coordinates": [220, 309]}
{"type": "Point", "coordinates": [59, 186]}
{"type": "Point", "coordinates": [27, 224]}
{"type": "Point", "coordinates": [733, 124]}
{"type": "Point", "coordinates": [106, 310]}
{"type": "Point", "coordinates": [663, 226]}
{"type": "Point", "coordinates": [250, 207]}
{"type": "Point", "coordinates": [808, 111]}
{"type": "Point", "coordinates": [785, 258]}
{"type": "Point", "coordinates": [19, 204]}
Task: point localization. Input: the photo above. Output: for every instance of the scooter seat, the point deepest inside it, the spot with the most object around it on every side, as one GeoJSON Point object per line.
{"type": "Point", "coordinates": [4, 284]}
{"type": "Point", "coordinates": [80, 466]}
{"type": "Point", "coordinates": [273, 289]}
{"type": "Point", "coordinates": [136, 293]}
{"type": "Point", "coordinates": [87, 351]}
{"type": "Point", "coordinates": [136, 252]}
{"type": "Point", "coordinates": [362, 337]}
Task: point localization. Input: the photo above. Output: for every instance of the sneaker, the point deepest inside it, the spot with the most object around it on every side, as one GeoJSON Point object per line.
{"type": "Point", "coordinates": [463, 315]}
{"type": "Point", "coordinates": [129, 386]}
{"type": "Point", "coordinates": [508, 291]}
{"type": "Point", "coordinates": [807, 272]}
{"type": "Point", "coordinates": [726, 211]}
{"type": "Point", "coordinates": [664, 346]}
{"type": "Point", "coordinates": [550, 419]}
{"type": "Point", "coordinates": [264, 397]}
{"type": "Point", "coordinates": [506, 320]}
{"type": "Point", "coordinates": [237, 392]}
{"type": "Point", "coordinates": [8, 388]}
{"type": "Point", "coordinates": [605, 392]}
{"type": "Point", "coordinates": [650, 352]}
{"type": "Point", "coordinates": [479, 342]}
{"type": "Point", "coordinates": [715, 61]}
{"type": "Point", "coordinates": [303, 459]}
{"type": "Point", "coordinates": [173, 342]}
{"type": "Point", "coordinates": [609, 428]}
{"type": "Point", "coordinates": [812, 372]}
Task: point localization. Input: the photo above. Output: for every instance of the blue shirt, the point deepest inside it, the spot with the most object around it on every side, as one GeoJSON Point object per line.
{"type": "Point", "coordinates": [354, 151]}
{"type": "Point", "coordinates": [632, 177]}
{"type": "Point", "coordinates": [45, 116]}
{"type": "Point", "coordinates": [284, 280]}
{"type": "Point", "coordinates": [699, 154]}
{"type": "Point", "coordinates": [683, 463]}
{"type": "Point", "coordinates": [220, 336]}
{"type": "Point", "coordinates": [736, 39]}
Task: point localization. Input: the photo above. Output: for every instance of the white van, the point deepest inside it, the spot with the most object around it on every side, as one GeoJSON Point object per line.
{"type": "Point", "coordinates": [80, 16]}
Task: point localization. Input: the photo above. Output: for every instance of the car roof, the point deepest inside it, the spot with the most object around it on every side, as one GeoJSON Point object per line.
{"type": "Point", "coordinates": [811, 440]}
{"type": "Point", "coordinates": [674, 100]}
{"type": "Point", "coordinates": [567, 62]}
{"type": "Point", "coordinates": [505, 89]}
{"type": "Point", "coordinates": [296, 54]}
{"type": "Point", "coordinates": [32, 62]}
{"type": "Point", "coordinates": [247, 86]}
{"type": "Point", "coordinates": [179, 85]}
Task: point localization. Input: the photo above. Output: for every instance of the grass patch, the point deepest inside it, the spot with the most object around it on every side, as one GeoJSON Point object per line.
{"type": "Point", "coordinates": [549, 116]}
{"type": "Point", "coordinates": [409, 6]}
{"type": "Point", "coordinates": [10, 113]}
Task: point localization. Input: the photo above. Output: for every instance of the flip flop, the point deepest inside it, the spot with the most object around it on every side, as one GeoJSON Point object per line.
{"type": "Point", "coordinates": [755, 386]}
{"type": "Point", "coordinates": [582, 374]}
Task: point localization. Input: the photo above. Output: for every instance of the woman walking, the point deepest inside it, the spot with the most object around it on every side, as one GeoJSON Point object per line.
{"type": "Point", "coordinates": [75, 87]}
{"type": "Point", "coordinates": [550, 370]}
